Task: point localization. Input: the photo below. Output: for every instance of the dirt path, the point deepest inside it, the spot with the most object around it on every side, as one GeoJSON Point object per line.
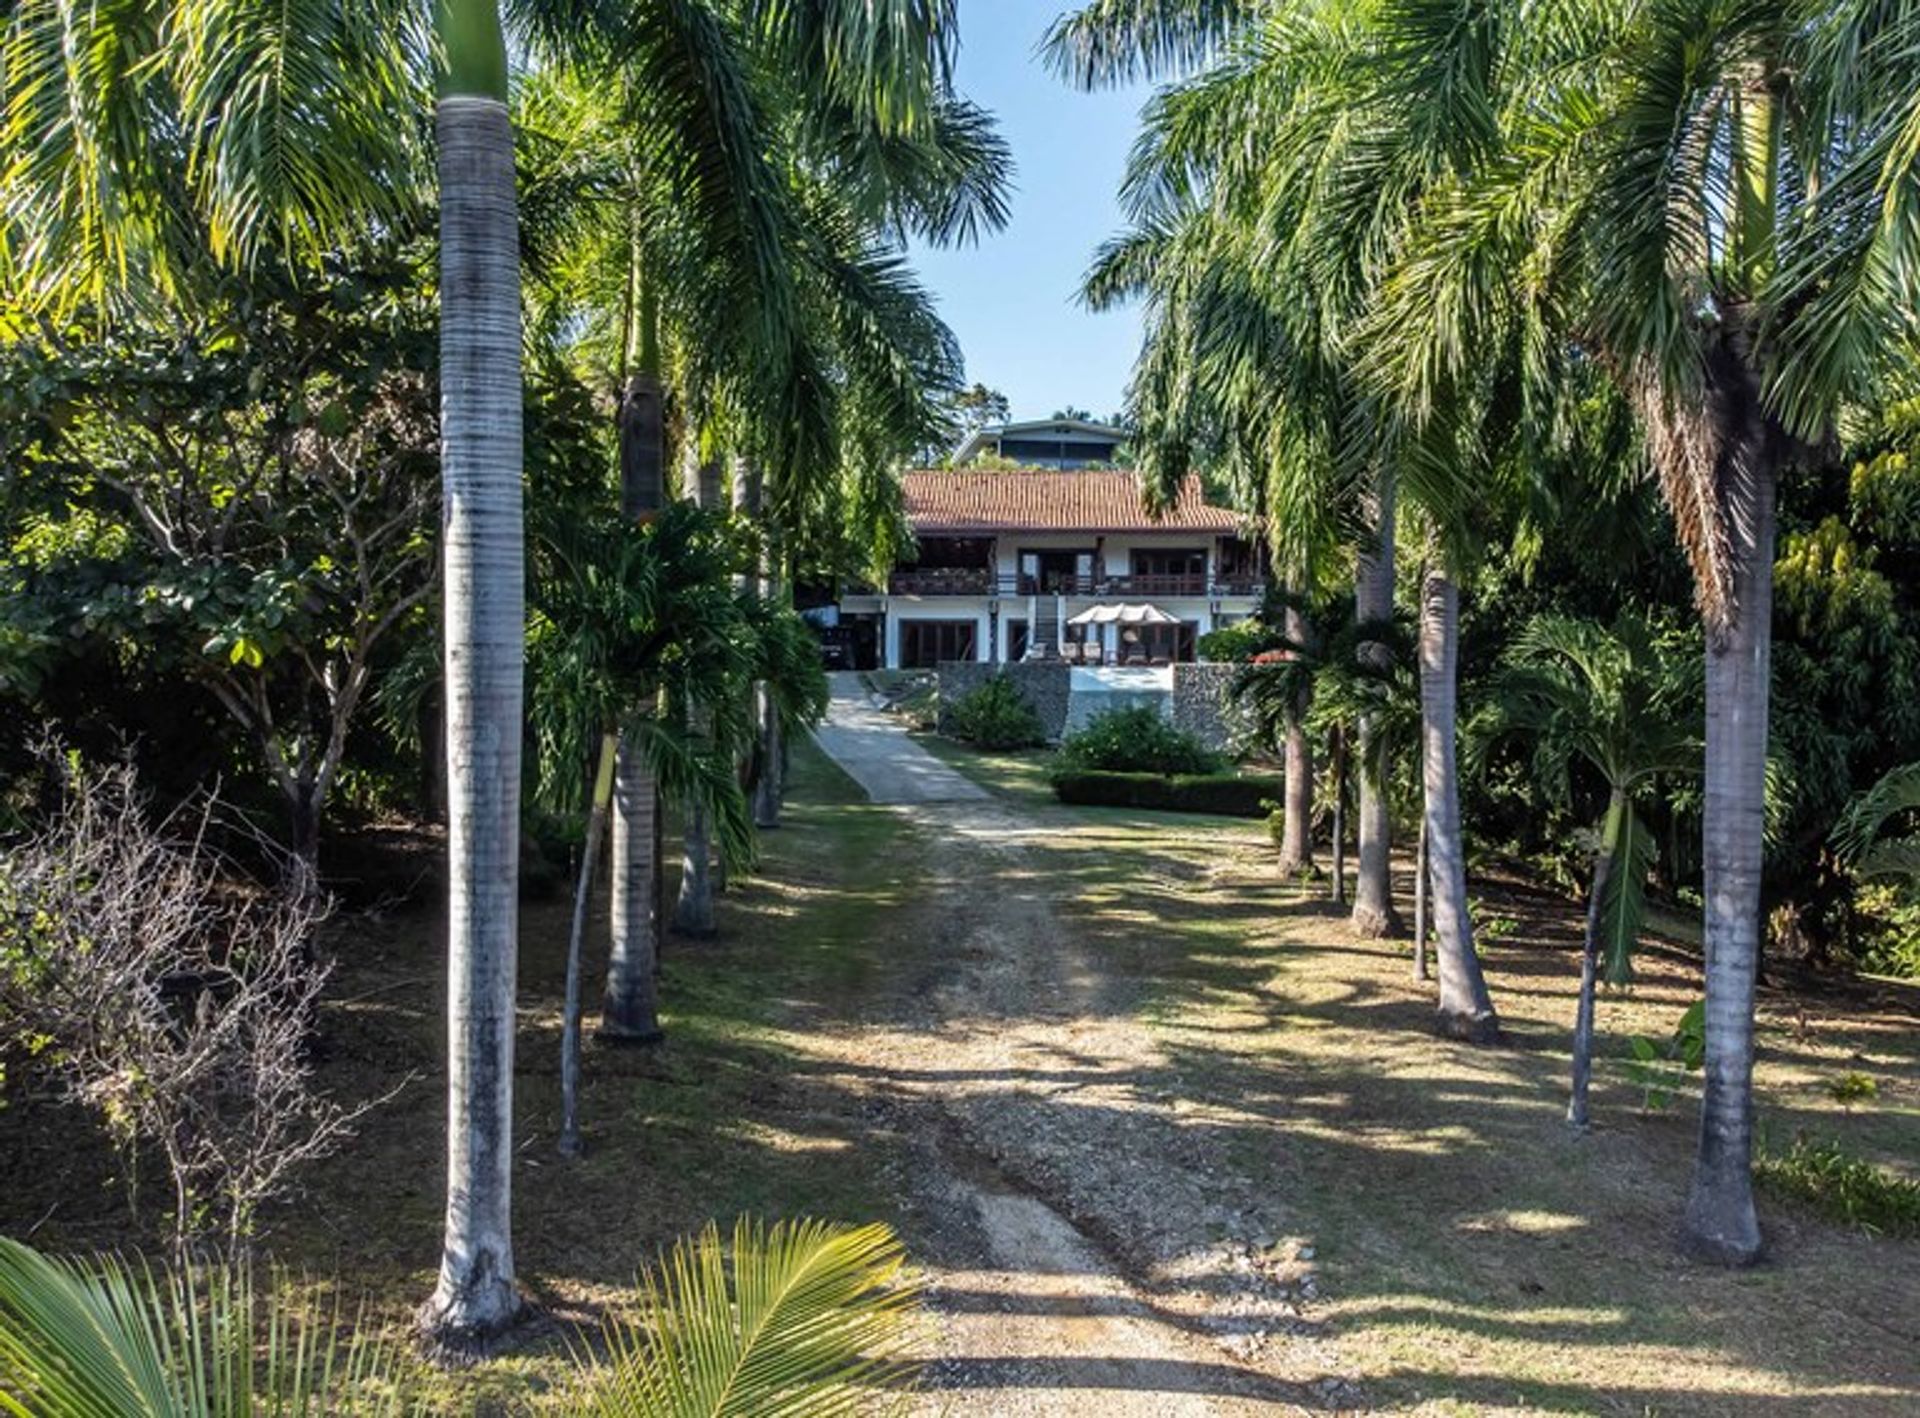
{"type": "Point", "coordinates": [1083, 1256]}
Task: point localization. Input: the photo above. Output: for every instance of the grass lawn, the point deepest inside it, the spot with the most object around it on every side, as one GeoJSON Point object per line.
{"type": "Point", "coordinates": [1234, 1067]}
{"type": "Point", "coordinates": [717, 1121]}
{"type": "Point", "coordinates": [1467, 1252]}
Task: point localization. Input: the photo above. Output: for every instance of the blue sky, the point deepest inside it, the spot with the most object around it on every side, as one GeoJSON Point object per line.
{"type": "Point", "coordinates": [1011, 298]}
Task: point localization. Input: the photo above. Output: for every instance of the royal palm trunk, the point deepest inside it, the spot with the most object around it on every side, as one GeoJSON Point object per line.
{"type": "Point", "coordinates": [630, 1012]}
{"type": "Point", "coordinates": [1296, 835]}
{"type": "Point", "coordinates": [1721, 1222]}
{"type": "Point", "coordinates": [480, 396]}
{"type": "Point", "coordinates": [1373, 913]}
{"type": "Point", "coordinates": [1466, 1010]}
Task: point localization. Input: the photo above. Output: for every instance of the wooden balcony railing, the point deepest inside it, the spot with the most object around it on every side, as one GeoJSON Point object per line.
{"type": "Point", "coordinates": [979, 581]}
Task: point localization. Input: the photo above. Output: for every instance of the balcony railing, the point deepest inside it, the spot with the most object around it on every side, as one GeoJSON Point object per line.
{"type": "Point", "coordinates": [979, 581]}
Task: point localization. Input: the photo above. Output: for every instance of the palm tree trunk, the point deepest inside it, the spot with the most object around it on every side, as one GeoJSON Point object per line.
{"type": "Point", "coordinates": [1338, 890]}
{"type": "Point", "coordinates": [768, 753]}
{"type": "Point", "coordinates": [1422, 894]}
{"type": "Point", "coordinates": [576, 937]}
{"type": "Point", "coordinates": [1373, 913]}
{"type": "Point", "coordinates": [1721, 1223]}
{"type": "Point", "coordinates": [1603, 867]}
{"type": "Point", "coordinates": [1466, 1010]}
{"type": "Point", "coordinates": [630, 1013]}
{"type": "Point", "coordinates": [693, 907]}
{"type": "Point", "coordinates": [1296, 835]}
{"type": "Point", "coordinates": [480, 411]}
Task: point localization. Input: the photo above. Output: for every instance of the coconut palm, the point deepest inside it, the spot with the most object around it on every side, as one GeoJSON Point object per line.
{"type": "Point", "coordinates": [1623, 700]}
{"type": "Point", "coordinates": [1716, 203]}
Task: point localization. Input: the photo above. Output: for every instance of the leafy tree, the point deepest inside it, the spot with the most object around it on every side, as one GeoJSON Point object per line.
{"type": "Point", "coordinates": [977, 407]}
{"type": "Point", "coordinates": [244, 499]}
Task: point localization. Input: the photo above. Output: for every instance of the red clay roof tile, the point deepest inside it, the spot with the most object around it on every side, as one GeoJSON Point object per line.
{"type": "Point", "coordinates": [965, 500]}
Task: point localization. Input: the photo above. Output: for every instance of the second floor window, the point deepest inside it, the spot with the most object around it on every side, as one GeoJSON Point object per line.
{"type": "Point", "coordinates": [1178, 562]}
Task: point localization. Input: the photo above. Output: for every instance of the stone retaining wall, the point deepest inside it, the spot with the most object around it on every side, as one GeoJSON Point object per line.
{"type": "Point", "coordinates": [1043, 683]}
{"type": "Point", "coordinates": [1200, 705]}
{"type": "Point", "coordinates": [1198, 700]}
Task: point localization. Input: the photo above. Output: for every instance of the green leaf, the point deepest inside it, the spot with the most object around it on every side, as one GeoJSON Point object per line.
{"type": "Point", "coordinates": [811, 1322]}
{"type": "Point", "coordinates": [1630, 851]}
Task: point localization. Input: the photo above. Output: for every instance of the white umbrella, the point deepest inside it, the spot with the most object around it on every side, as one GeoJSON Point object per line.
{"type": "Point", "coordinates": [1124, 615]}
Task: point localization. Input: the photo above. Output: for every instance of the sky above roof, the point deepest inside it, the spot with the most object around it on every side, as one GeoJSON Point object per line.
{"type": "Point", "coordinates": [1013, 299]}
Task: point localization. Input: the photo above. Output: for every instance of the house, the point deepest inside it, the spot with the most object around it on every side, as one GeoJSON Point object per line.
{"type": "Point", "coordinates": [1044, 443]}
{"type": "Point", "coordinates": [1044, 563]}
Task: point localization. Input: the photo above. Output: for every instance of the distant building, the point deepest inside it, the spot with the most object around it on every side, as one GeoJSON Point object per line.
{"type": "Point", "coordinates": [1044, 443]}
{"type": "Point", "coordinates": [1039, 563]}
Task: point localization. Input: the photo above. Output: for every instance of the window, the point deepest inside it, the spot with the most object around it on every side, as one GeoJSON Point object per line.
{"type": "Point", "coordinates": [1181, 562]}
{"type": "Point", "coordinates": [925, 643]}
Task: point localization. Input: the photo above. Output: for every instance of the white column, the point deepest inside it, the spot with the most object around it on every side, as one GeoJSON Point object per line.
{"type": "Point", "coordinates": [890, 638]}
{"type": "Point", "coordinates": [1060, 624]}
{"type": "Point", "coordinates": [983, 638]}
{"type": "Point", "coordinates": [1033, 621]}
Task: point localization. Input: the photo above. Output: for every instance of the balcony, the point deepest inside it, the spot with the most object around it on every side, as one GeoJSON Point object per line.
{"type": "Point", "coordinates": [979, 581]}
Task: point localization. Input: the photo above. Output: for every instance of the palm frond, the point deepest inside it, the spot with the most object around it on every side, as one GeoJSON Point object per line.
{"type": "Point", "coordinates": [812, 1320]}
{"type": "Point", "coordinates": [109, 1339]}
{"type": "Point", "coordinates": [1857, 836]}
{"type": "Point", "coordinates": [1631, 850]}
{"type": "Point", "coordinates": [1111, 42]}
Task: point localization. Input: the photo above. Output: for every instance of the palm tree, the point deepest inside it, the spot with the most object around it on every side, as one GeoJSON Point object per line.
{"type": "Point", "coordinates": [628, 617]}
{"type": "Point", "coordinates": [1716, 204]}
{"type": "Point", "coordinates": [1622, 699]}
{"type": "Point", "coordinates": [1466, 1009]}
{"type": "Point", "coordinates": [484, 598]}
{"type": "Point", "coordinates": [1262, 260]}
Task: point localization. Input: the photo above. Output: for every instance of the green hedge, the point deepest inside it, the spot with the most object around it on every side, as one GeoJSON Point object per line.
{"type": "Point", "coordinates": [1219, 793]}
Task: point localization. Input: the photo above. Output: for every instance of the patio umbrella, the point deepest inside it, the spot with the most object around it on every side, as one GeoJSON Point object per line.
{"type": "Point", "coordinates": [1124, 615]}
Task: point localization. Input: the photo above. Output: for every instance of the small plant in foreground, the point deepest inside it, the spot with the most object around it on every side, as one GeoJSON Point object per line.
{"type": "Point", "coordinates": [1853, 1087]}
{"type": "Point", "coordinates": [1659, 1069]}
{"type": "Point", "coordinates": [1136, 739]}
{"type": "Point", "coordinates": [997, 717]}
{"type": "Point", "coordinates": [801, 1318]}
{"type": "Point", "coordinates": [1822, 1174]}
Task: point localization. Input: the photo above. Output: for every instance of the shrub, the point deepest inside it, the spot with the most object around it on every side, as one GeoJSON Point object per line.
{"type": "Point", "coordinates": [165, 998]}
{"type": "Point", "coordinates": [1222, 794]}
{"type": "Point", "coordinates": [1235, 644]}
{"type": "Point", "coordinates": [1136, 739]}
{"type": "Point", "coordinates": [1846, 1188]}
{"type": "Point", "coordinates": [996, 716]}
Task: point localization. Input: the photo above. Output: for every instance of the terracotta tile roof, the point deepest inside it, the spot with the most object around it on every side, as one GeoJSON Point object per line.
{"type": "Point", "coordinates": [963, 500]}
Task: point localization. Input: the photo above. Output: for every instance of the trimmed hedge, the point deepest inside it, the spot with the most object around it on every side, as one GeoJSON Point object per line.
{"type": "Point", "coordinates": [1222, 794]}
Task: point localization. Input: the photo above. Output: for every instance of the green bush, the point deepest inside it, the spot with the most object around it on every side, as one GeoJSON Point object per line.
{"type": "Point", "coordinates": [1848, 1189]}
{"type": "Point", "coordinates": [996, 716]}
{"type": "Point", "coordinates": [1137, 739]}
{"type": "Point", "coordinates": [1222, 794]}
{"type": "Point", "coordinates": [1234, 644]}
